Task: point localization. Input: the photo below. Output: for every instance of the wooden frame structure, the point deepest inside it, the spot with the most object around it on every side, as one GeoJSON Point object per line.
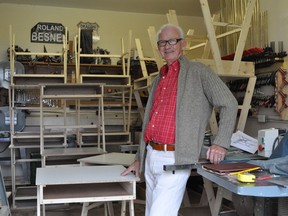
{"type": "Point", "coordinates": [116, 87]}
{"type": "Point", "coordinates": [123, 78]}
{"type": "Point", "coordinates": [36, 78]}
{"type": "Point", "coordinates": [226, 69]}
{"type": "Point", "coordinates": [63, 93]}
{"type": "Point", "coordinates": [26, 84]}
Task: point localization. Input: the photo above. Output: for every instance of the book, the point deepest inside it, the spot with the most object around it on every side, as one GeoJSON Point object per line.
{"type": "Point", "coordinates": [224, 168]}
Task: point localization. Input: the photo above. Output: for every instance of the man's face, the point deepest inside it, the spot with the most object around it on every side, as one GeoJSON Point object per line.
{"type": "Point", "coordinates": [168, 51]}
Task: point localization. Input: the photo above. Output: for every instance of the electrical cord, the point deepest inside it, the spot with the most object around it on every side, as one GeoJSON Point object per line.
{"type": "Point", "coordinates": [3, 150]}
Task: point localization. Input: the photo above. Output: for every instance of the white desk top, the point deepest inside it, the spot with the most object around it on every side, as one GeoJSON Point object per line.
{"type": "Point", "coordinates": [113, 158]}
{"type": "Point", "coordinates": [82, 175]}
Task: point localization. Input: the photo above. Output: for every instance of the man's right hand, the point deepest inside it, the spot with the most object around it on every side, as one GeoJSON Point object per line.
{"type": "Point", "coordinates": [134, 168]}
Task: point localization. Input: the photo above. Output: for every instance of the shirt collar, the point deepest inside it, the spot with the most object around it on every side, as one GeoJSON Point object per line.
{"type": "Point", "coordinates": [175, 65]}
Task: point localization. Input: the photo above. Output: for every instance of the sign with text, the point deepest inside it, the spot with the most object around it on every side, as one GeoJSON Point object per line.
{"type": "Point", "coordinates": [44, 32]}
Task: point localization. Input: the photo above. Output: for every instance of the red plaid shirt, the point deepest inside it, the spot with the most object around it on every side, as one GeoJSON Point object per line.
{"type": "Point", "coordinates": [161, 126]}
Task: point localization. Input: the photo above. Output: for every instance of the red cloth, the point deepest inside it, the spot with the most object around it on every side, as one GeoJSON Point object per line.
{"type": "Point", "coordinates": [245, 53]}
{"type": "Point", "coordinates": [161, 126]}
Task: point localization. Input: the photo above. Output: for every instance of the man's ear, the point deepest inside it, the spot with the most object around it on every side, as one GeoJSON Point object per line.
{"type": "Point", "coordinates": [184, 43]}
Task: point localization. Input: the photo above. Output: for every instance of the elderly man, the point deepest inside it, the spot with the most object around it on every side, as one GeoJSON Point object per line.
{"type": "Point", "coordinates": [178, 110]}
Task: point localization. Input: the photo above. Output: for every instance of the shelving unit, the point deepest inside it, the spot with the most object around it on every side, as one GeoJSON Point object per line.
{"type": "Point", "coordinates": [120, 79]}
{"type": "Point", "coordinates": [68, 103]}
{"type": "Point", "coordinates": [117, 93]}
{"type": "Point", "coordinates": [24, 96]}
{"type": "Point", "coordinates": [117, 103]}
{"type": "Point", "coordinates": [31, 79]}
{"type": "Point", "coordinates": [22, 142]}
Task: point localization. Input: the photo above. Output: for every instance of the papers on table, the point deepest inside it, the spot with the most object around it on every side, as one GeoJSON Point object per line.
{"type": "Point", "coordinates": [243, 141]}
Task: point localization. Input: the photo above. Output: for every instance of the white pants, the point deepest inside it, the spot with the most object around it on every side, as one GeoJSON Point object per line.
{"type": "Point", "coordinates": [164, 190]}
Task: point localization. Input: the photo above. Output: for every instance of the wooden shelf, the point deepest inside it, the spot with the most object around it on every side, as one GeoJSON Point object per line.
{"type": "Point", "coordinates": [60, 193]}
{"type": "Point", "coordinates": [72, 151]}
{"type": "Point", "coordinates": [32, 79]}
{"type": "Point", "coordinates": [105, 79]}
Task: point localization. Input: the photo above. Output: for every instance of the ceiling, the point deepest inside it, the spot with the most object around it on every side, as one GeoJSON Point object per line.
{"type": "Point", "coordinates": [182, 7]}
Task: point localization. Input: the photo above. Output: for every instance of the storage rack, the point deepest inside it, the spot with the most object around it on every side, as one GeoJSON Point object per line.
{"type": "Point", "coordinates": [24, 95]}
{"type": "Point", "coordinates": [23, 142]}
{"type": "Point", "coordinates": [117, 92]}
{"type": "Point", "coordinates": [37, 78]}
{"type": "Point", "coordinates": [66, 96]}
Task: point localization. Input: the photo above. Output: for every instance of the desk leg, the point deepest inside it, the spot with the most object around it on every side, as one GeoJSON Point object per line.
{"type": "Point", "coordinates": [208, 187]}
{"type": "Point", "coordinates": [215, 203]}
{"type": "Point", "coordinates": [218, 202]}
{"type": "Point", "coordinates": [85, 209]}
{"type": "Point", "coordinates": [123, 208]}
{"type": "Point", "coordinates": [39, 198]}
{"type": "Point", "coordinates": [110, 208]}
{"type": "Point", "coordinates": [38, 201]}
{"type": "Point", "coordinates": [131, 205]}
{"type": "Point", "coordinates": [263, 206]}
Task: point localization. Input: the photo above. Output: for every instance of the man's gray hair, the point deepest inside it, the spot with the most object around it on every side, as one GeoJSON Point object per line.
{"type": "Point", "coordinates": [166, 26]}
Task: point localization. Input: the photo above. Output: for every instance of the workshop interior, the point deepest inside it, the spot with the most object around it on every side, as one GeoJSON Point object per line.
{"type": "Point", "coordinates": [74, 82]}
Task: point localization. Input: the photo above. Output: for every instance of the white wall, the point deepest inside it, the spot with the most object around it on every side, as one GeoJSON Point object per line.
{"type": "Point", "coordinates": [113, 26]}
{"type": "Point", "coordinates": [277, 20]}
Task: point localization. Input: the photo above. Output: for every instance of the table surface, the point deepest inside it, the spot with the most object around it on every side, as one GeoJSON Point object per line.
{"type": "Point", "coordinates": [113, 158]}
{"type": "Point", "coordinates": [82, 175]}
{"type": "Point", "coordinates": [259, 188]}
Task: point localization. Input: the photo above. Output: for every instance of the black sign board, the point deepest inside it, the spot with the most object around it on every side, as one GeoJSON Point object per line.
{"type": "Point", "coordinates": [44, 32]}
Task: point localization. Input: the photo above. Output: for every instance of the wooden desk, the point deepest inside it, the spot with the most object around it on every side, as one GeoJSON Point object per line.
{"type": "Point", "coordinates": [229, 184]}
{"type": "Point", "coordinates": [84, 184]}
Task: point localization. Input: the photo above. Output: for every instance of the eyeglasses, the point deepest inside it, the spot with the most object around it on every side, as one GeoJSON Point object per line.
{"type": "Point", "coordinates": [162, 43]}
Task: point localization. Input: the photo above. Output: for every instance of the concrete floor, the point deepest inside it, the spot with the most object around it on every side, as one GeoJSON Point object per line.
{"type": "Point", "coordinates": [75, 209]}
{"type": "Point", "coordinates": [194, 193]}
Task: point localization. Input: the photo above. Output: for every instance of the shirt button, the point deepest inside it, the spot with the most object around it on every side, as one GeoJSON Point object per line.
{"type": "Point", "coordinates": [153, 125]}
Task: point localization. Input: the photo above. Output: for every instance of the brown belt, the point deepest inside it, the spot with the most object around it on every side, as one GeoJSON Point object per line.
{"type": "Point", "coordinates": [161, 147]}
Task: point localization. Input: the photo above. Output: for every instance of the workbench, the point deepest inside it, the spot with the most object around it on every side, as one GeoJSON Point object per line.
{"type": "Point", "coordinates": [70, 184]}
{"type": "Point", "coordinates": [227, 185]}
